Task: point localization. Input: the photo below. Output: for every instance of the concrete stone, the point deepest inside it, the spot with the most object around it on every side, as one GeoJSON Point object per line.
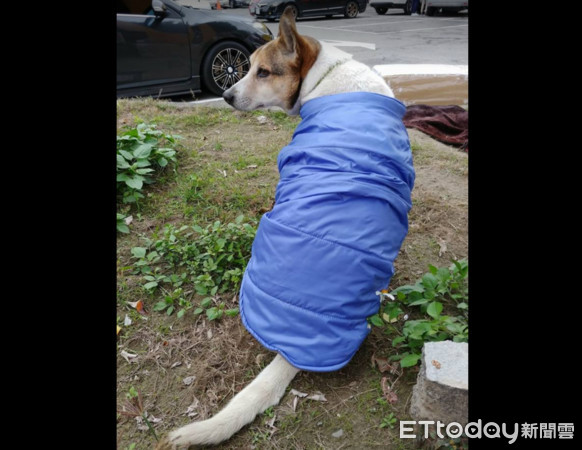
{"type": "Point", "coordinates": [441, 390]}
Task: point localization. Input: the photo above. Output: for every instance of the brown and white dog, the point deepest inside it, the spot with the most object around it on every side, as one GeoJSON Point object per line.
{"type": "Point", "coordinates": [287, 72]}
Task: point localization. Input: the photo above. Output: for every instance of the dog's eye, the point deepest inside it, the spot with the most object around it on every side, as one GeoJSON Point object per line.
{"type": "Point", "coordinates": [263, 73]}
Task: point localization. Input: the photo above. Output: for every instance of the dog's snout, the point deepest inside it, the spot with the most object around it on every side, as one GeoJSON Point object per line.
{"type": "Point", "coordinates": [228, 96]}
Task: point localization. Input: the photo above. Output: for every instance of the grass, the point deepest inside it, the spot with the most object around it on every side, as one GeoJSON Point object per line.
{"type": "Point", "coordinates": [227, 167]}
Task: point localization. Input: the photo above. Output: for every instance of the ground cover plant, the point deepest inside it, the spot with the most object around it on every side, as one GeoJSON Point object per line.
{"type": "Point", "coordinates": [182, 350]}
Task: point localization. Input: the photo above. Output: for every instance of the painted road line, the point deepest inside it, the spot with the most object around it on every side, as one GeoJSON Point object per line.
{"type": "Point", "coordinates": [421, 69]}
{"type": "Point", "coordinates": [368, 45]}
{"type": "Point", "coordinates": [421, 29]}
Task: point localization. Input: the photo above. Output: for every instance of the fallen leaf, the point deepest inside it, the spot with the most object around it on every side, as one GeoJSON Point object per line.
{"type": "Point", "coordinates": [387, 318]}
{"type": "Point", "coordinates": [138, 306]}
{"type": "Point", "coordinates": [190, 412]}
{"type": "Point", "coordinates": [338, 434]}
{"type": "Point", "coordinates": [259, 359]}
{"type": "Point", "coordinates": [436, 363]}
{"type": "Point", "coordinates": [128, 220]}
{"type": "Point", "coordinates": [209, 334]}
{"type": "Point", "coordinates": [127, 322]}
{"type": "Point", "coordinates": [142, 426]}
{"type": "Point", "coordinates": [118, 329]}
{"type": "Point", "coordinates": [189, 380]}
{"type": "Point", "coordinates": [153, 419]}
{"type": "Point", "coordinates": [319, 397]}
{"type": "Point", "coordinates": [297, 393]}
{"type": "Point", "coordinates": [382, 364]}
{"type": "Point", "coordinates": [176, 364]}
{"type": "Point", "coordinates": [271, 422]}
{"type": "Point", "coordinates": [129, 357]}
{"type": "Point", "coordinates": [389, 394]}
{"type": "Point", "coordinates": [443, 247]}
{"type": "Point", "coordinates": [295, 400]}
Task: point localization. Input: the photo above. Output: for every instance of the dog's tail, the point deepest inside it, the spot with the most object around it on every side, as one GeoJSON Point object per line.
{"type": "Point", "coordinates": [265, 390]}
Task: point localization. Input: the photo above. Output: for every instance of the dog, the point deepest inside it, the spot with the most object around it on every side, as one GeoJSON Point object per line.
{"type": "Point", "coordinates": [339, 219]}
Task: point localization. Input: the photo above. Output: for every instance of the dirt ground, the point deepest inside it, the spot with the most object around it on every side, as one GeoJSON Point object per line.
{"type": "Point", "coordinates": [187, 369]}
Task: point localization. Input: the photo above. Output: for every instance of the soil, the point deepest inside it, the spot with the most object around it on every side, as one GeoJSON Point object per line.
{"type": "Point", "coordinates": [223, 357]}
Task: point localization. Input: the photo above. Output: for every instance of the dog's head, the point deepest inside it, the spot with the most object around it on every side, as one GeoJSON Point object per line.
{"type": "Point", "coordinates": [277, 70]}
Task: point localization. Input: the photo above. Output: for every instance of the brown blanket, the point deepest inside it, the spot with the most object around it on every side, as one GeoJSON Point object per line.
{"type": "Point", "coordinates": [448, 124]}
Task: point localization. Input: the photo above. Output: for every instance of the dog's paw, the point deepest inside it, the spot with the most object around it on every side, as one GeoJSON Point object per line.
{"type": "Point", "coordinates": [173, 441]}
{"type": "Point", "coordinates": [166, 444]}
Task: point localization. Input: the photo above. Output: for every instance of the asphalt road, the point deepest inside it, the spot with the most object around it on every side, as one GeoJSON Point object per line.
{"type": "Point", "coordinates": [393, 38]}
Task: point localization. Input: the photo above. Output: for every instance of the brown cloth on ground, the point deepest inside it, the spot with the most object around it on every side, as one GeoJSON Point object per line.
{"type": "Point", "coordinates": [448, 124]}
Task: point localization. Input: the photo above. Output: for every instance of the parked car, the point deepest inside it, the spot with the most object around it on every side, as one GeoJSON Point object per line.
{"type": "Point", "coordinates": [432, 7]}
{"type": "Point", "coordinates": [272, 9]}
{"type": "Point", "coordinates": [447, 6]}
{"type": "Point", "coordinates": [165, 49]}
{"type": "Point", "coordinates": [383, 7]}
{"type": "Point", "coordinates": [230, 4]}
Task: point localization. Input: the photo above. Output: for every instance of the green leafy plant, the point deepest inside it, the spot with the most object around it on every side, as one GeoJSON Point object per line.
{"type": "Point", "coordinates": [205, 261]}
{"type": "Point", "coordinates": [388, 421]}
{"type": "Point", "coordinates": [437, 288]}
{"type": "Point", "coordinates": [121, 225]}
{"type": "Point", "coordinates": [140, 152]}
{"type": "Point", "coordinates": [172, 302]}
{"type": "Point", "coordinates": [214, 312]}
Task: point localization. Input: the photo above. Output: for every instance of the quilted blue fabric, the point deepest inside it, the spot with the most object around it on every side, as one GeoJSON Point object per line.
{"type": "Point", "coordinates": [329, 243]}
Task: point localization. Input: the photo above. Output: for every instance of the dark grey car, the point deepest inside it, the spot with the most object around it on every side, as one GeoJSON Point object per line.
{"type": "Point", "coordinates": [166, 49]}
{"type": "Point", "coordinates": [272, 9]}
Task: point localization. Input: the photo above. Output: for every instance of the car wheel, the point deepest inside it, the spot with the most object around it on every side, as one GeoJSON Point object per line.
{"type": "Point", "coordinates": [351, 10]}
{"type": "Point", "coordinates": [224, 65]}
{"type": "Point", "coordinates": [381, 10]}
{"type": "Point", "coordinates": [408, 7]}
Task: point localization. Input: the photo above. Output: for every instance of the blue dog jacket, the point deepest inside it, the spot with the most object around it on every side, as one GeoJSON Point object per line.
{"type": "Point", "coordinates": [338, 222]}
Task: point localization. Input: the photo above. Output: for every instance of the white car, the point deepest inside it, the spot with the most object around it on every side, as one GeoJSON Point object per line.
{"type": "Point", "coordinates": [432, 6]}
{"type": "Point", "coordinates": [450, 6]}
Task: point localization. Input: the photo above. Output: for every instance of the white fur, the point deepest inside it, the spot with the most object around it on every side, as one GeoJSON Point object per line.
{"type": "Point", "coordinates": [333, 72]}
{"type": "Point", "coordinates": [265, 390]}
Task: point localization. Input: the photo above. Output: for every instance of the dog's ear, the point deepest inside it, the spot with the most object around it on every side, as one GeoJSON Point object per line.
{"type": "Point", "coordinates": [287, 30]}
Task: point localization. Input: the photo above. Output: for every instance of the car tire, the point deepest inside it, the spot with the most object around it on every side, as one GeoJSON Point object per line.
{"type": "Point", "coordinates": [352, 9]}
{"type": "Point", "coordinates": [430, 11]}
{"type": "Point", "coordinates": [224, 65]}
{"type": "Point", "coordinates": [381, 10]}
{"type": "Point", "coordinates": [408, 7]}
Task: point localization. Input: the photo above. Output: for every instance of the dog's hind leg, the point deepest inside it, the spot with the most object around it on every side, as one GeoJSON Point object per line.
{"type": "Point", "coordinates": [264, 391]}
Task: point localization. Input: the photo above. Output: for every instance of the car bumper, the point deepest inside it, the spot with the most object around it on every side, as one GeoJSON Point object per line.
{"type": "Point", "coordinates": [267, 11]}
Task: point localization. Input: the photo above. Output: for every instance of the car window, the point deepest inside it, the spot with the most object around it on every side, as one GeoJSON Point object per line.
{"type": "Point", "coordinates": [134, 7]}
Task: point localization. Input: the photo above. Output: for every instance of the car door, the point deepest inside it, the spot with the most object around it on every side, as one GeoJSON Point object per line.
{"type": "Point", "coordinates": [150, 50]}
{"type": "Point", "coordinates": [336, 6]}
{"type": "Point", "coordinates": [313, 7]}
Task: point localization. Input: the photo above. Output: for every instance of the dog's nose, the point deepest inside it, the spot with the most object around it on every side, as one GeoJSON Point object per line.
{"type": "Point", "coordinates": [228, 96]}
